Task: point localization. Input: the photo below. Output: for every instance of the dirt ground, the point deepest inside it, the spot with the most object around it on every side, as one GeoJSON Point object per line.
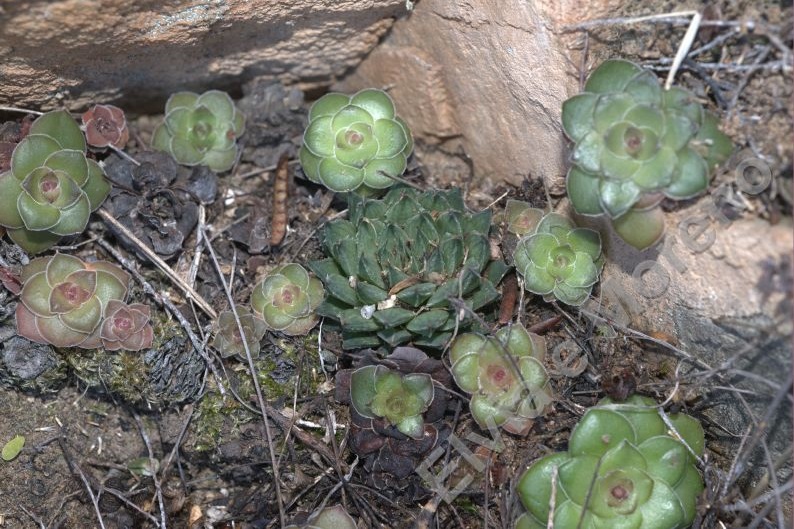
{"type": "Point", "coordinates": [93, 420]}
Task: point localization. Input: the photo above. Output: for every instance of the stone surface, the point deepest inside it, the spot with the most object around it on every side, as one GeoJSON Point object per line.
{"type": "Point", "coordinates": [76, 52]}
{"type": "Point", "coordinates": [486, 76]}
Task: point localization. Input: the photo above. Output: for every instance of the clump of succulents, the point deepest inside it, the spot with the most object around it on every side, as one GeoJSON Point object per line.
{"type": "Point", "coordinates": [504, 374]}
{"type": "Point", "coordinates": [556, 259]}
{"type": "Point", "coordinates": [636, 143]}
{"type": "Point", "coordinates": [287, 299]}
{"type": "Point", "coordinates": [51, 188]}
{"type": "Point", "coordinates": [200, 129]}
{"type": "Point", "coordinates": [394, 265]}
{"type": "Point", "coordinates": [354, 141]}
{"type": "Point", "coordinates": [335, 517]}
{"type": "Point", "coordinates": [228, 340]}
{"type": "Point", "coordinates": [624, 468]}
{"type": "Point", "coordinates": [105, 125]}
{"type": "Point", "coordinates": [379, 392]}
{"type": "Point", "coordinates": [66, 302]}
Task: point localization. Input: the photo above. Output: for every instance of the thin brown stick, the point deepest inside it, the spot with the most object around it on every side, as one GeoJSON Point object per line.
{"type": "Point", "coordinates": [254, 378]}
{"type": "Point", "coordinates": [152, 460]}
{"type": "Point", "coordinates": [167, 270]}
{"type": "Point", "coordinates": [278, 223]}
{"type": "Point", "coordinates": [75, 468]}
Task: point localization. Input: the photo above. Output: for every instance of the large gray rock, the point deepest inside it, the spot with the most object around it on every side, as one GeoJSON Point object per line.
{"type": "Point", "coordinates": [75, 52]}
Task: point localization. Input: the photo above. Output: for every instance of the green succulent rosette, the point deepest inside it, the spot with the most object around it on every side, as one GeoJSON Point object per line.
{"type": "Point", "coordinates": [354, 141]}
{"type": "Point", "coordinates": [632, 139]}
{"type": "Point", "coordinates": [200, 129]}
{"type": "Point", "coordinates": [505, 376]}
{"type": "Point", "coordinates": [559, 260]}
{"type": "Point", "coordinates": [624, 468]}
{"type": "Point", "coordinates": [228, 340]}
{"type": "Point", "coordinates": [64, 301]}
{"type": "Point", "coordinates": [287, 299]}
{"type": "Point", "coordinates": [378, 392]}
{"type": "Point", "coordinates": [52, 187]}
{"type": "Point", "coordinates": [396, 262]}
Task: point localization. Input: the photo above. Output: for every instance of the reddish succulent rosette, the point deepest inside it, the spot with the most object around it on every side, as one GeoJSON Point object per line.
{"type": "Point", "coordinates": [105, 125]}
{"type": "Point", "coordinates": [126, 327]}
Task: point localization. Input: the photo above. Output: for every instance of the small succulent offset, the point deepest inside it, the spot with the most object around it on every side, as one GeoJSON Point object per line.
{"type": "Point", "coordinates": [557, 259]}
{"type": "Point", "coordinates": [505, 376]}
{"type": "Point", "coordinates": [397, 261]}
{"type": "Point", "coordinates": [636, 143]}
{"type": "Point", "coordinates": [126, 327]}
{"type": "Point", "coordinates": [355, 141]}
{"type": "Point", "coordinates": [623, 468]}
{"type": "Point", "coordinates": [70, 303]}
{"type": "Point", "coordinates": [52, 187]}
{"type": "Point", "coordinates": [335, 517]}
{"type": "Point", "coordinates": [105, 125]}
{"type": "Point", "coordinates": [287, 299]}
{"type": "Point", "coordinates": [379, 392]}
{"type": "Point", "coordinates": [227, 339]}
{"type": "Point", "coordinates": [201, 129]}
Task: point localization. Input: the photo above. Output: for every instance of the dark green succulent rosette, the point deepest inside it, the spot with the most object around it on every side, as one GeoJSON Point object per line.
{"type": "Point", "coordinates": [559, 260]}
{"type": "Point", "coordinates": [624, 469]}
{"type": "Point", "coordinates": [396, 262]}
{"type": "Point", "coordinates": [355, 141]}
{"type": "Point", "coordinates": [52, 187]}
{"type": "Point", "coordinates": [636, 143]}
{"type": "Point", "coordinates": [378, 392]}
{"type": "Point", "coordinates": [200, 129]}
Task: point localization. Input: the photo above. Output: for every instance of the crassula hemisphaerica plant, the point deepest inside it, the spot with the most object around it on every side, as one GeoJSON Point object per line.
{"type": "Point", "coordinates": [355, 142]}
{"type": "Point", "coordinates": [401, 399]}
{"type": "Point", "coordinates": [624, 468]}
{"type": "Point", "coordinates": [556, 259]}
{"type": "Point", "coordinates": [228, 340]}
{"type": "Point", "coordinates": [504, 375]}
{"type": "Point", "coordinates": [52, 187]}
{"type": "Point", "coordinates": [67, 302]}
{"type": "Point", "coordinates": [635, 144]}
{"type": "Point", "coordinates": [201, 129]}
{"type": "Point", "coordinates": [287, 299]}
